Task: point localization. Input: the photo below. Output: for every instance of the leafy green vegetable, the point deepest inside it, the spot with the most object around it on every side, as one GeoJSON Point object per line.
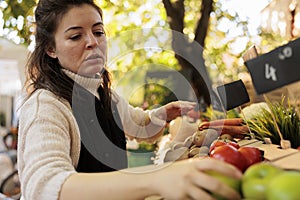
{"type": "Point", "coordinates": [288, 121]}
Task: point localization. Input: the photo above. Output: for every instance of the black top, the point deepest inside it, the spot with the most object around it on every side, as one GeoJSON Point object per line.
{"type": "Point", "coordinates": [103, 142]}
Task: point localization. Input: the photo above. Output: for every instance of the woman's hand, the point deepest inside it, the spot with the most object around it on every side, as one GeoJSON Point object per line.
{"type": "Point", "coordinates": [187, 179]}
{"type": "Point", "coordinates": [174, 109]}
{"type": "Point", "coordinates": [178, 108]}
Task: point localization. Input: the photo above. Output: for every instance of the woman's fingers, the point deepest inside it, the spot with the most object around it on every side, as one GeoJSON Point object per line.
{"type": "Point", "coordinates": [177, 108]}
{"type": "Point", "coordinates": [190, 179]}
{"type": "Point", "coordinates": [196, 193]}
{"type": "Point", "coordinates": [181, 105]}
{"type": "Point", "coordinates": [215, 186]}
{"type": "Point", "coordinates": [219, 166]}
{"type": "Point", "coordinates": [211, 183]}
{"type": "Point", "coordinates": [186, 105]}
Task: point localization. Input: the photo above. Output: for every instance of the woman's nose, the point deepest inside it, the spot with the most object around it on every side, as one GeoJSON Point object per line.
{"type": "Point", "coordinates": [91, 41]}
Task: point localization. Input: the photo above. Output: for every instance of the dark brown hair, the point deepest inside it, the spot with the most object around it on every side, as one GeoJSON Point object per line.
{"type": "Point", "coordinates": [43, 71]}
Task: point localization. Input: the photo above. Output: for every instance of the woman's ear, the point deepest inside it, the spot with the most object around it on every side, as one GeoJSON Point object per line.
{"type": "Point", "coordinates": [51, 52]}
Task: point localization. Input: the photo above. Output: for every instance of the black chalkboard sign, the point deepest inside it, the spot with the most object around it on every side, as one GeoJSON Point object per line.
{"type": "Point", "coordinates": [233, 94]}
{"type": "Point", "coordinates": [277, 68]}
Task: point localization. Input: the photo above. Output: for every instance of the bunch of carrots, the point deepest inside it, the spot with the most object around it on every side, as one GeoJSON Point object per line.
{"type": "Point", "coordinates": [234, 127]}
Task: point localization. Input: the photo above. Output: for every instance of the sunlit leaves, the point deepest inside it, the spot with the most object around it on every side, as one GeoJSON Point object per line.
{"type": "Point", "coordinates": [17, 24]}
{"type": "Point", "coordinates": [130, 49]}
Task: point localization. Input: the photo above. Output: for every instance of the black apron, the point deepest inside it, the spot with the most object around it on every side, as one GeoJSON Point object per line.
{"type": "Point", "coordinates": [103, 142]}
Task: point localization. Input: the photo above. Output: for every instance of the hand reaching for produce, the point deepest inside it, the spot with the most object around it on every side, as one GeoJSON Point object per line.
{"type": "Point", "coordinates": [172, 110]}
{"type": "Point", "coordinates": [194, 180]}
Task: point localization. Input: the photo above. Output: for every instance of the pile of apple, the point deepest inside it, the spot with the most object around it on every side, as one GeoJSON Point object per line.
{"type": "Point", "coordinates": [264, 181]}
{"type": "Point", "coordinates": [261, 180]}
{"type": "Point", "coordinates": [231, 152]}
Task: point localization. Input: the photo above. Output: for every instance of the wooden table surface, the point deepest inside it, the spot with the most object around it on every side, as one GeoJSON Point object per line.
{"type": "Point", "coordinates": [284, 158]}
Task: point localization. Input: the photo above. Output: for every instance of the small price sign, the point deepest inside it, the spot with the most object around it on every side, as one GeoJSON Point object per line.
{"type": "Point", "coordinates": [233, 94]}
{"type": "Point", "coordinates": [277, 68]}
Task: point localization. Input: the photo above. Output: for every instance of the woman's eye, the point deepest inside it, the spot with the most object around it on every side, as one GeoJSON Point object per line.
{"type": "Point", "coordinates": [99, 33]}
{"type": "Point", "coordinates": [75, 37]}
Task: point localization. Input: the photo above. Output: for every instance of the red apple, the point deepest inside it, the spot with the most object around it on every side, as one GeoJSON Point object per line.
{"type": "Point", "coordinates": [234, 144]}
{"type": "Point", "coordinates": [215, 144]}
{"type": "Point", "coordinates": [229, 154]}
{"type": "Point", "coordinates": [251, 154]}
{"type": "Point", "coordinates": [218, 143]}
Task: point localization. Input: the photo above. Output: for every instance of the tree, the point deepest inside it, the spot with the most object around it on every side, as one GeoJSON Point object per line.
{"type": "Point", "coordinates": [176, 15]}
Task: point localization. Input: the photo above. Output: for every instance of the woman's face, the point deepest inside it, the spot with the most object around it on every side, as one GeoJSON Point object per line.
{"type": "Point", "coordinates": [80, 41]}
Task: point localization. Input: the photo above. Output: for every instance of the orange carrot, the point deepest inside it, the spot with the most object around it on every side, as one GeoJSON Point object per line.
{"type": "Point", "coordinates": [221, 122]}
{"type": "Point", "coordinates": [234, 131]}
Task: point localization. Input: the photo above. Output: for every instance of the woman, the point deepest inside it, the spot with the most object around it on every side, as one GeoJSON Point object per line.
{"type": "Point", "coordinates": [71, 129]}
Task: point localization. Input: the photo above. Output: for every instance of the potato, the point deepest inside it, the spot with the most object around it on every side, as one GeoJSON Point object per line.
{"type": "Point", "coordinates": [226, 137]}
{"type": "Point", "coordinates": [205, 137]}
{"type": "Point", "coordinates": [198, 138]}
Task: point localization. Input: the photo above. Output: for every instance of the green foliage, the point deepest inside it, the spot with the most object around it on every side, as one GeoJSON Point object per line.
{"type": "Point", "coordinates": [269, 41]}
{"type": "Point", "coordinates": [213, 114]}
{"type": "Point", "coordinates": [146, 147]}
{"type": "Point", "coordinates": [129, 61]}
{"type": "Point", "coordinates": [286, 117]}
{"type": "Point", "coordinates": [223, 64]}
{"type": "Point", "coordinates": [223, 61]}
{"type": "Point", "coordinates": [125, 22]}
{"type": "Point", "coordinates": [18, 17]}
{"type": "Point", "coordinates": [158, 93]}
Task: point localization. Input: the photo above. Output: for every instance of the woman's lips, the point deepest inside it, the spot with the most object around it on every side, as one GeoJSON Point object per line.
{"type": "Point", "coordinates": [94, 59]}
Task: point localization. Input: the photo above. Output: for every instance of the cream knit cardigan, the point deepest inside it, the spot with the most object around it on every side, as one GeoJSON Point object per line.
{"type": "Point", "coordinates": [49, 138]}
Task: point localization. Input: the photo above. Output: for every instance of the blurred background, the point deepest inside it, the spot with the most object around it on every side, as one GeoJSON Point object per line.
{"type": "Point", "coordinates": [225, 29]}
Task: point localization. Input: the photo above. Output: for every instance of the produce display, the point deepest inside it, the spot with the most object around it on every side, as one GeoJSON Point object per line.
{"type": "Point", "coordinates": [212, 140]}
{"type": "Point", "coordinates": [229, 140]}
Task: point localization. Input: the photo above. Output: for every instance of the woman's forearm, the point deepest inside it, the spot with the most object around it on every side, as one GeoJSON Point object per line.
{"type": "Point", "coordinates": [112, 185]}
{"type": "Point", "coordinates": [185, 179]}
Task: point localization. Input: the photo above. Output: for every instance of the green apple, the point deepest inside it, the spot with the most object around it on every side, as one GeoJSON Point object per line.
{"type": "Point", "coordinates": [256, 179]}
{"type": "Point", "coordinates": [231, 182]}
{"type": "Point", "coordinates": [284, 186]}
